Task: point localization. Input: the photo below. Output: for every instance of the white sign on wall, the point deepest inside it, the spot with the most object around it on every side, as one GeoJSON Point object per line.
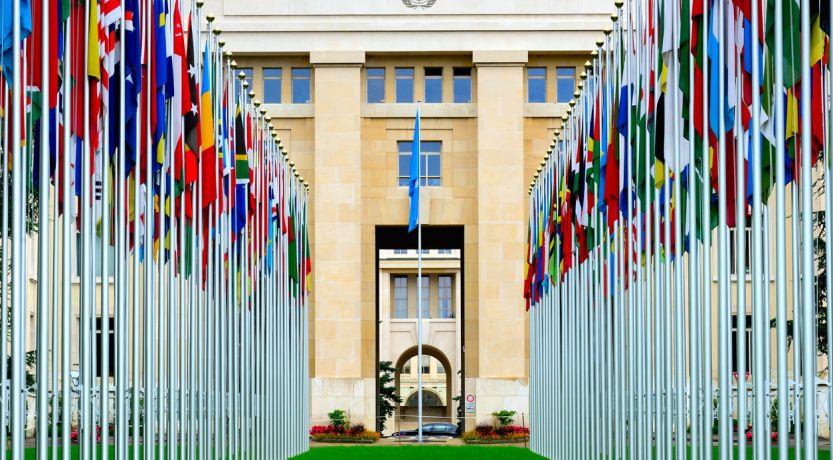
{"type": "Point", "coordinates": [470, 404]}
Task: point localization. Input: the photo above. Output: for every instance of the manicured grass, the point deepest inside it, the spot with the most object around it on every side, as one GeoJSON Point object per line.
{"type": "Point", "coordinates": [418, 452]}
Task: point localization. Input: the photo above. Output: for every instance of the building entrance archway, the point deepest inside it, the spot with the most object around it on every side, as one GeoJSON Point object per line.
{"type": "Point", "coordinates": [437, 400]}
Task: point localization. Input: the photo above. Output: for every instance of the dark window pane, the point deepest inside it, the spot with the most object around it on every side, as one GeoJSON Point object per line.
{"type": "Point", "coordinates": [565, 83]}
{"type": "Point", "coordinates": [433, 91]}
{"type": "Point", "coordinates": [375, 91]}
{"type": "Point", "coordinates": [301, 86]}
{"type": "Point", "coordinates": [433, 71]}
{"type": "Point", "coordinates": [537, 91]}
{"type": "Point", "coordinates": [405, 91]}
{"type": "Point", "coordinates": [404, 165]}
{"type": "Point", "coordinates": [462, 85]}
{"type": "Point", "coordinates": [272, 85]}
{"type": "Point", "coordinates": [462, 90]}
{"type": "Point", "coordinates": [406, 146]}
{"type": "Point", "coordinates": [434, 168]}
{"type": "Point", "coordinates": [566, 72]}
{"type": "Point", "coordinates": [405, 85]}
{"type": "Point", "coordinates": [431, 147]}
{"type": "Point", "coordinates": [375, 85]}
{"type": "Point", "coordinates": [247, 71]}
{"type": "Point", "coordinates": [536, 84]}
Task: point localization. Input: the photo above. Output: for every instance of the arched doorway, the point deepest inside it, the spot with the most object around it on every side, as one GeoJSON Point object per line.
{"type": "Point", "coordinates": [437, 395]}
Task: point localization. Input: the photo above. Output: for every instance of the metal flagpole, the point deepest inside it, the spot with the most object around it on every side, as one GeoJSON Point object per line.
{"type": "Point", "coordinates": [724, 305]}
{"type": "Point", "coordinates": [694, 307]}
{"type": "Point", "coordinates": [17, 412]}
{"type": "Point", "coordinates": [5, 286]}
{"type": "Point", "coordinates": [43, 249]}
{"type": "Point", "coordinates": [66, 258]}
{"type": "Point", "coordinates": [829, 203]}
{"type": "Point", "coordinates": [55, 307]}
{"type": "Point", "coordinates": [808, 311]}
{"type": "Point", "coordinates": [706, 273]}
{"type": "Point", "coordinates": [418, 140]}
{"type": "Point", "coordinates": [121, 261]}
{"type": "Point", "coordinates": [760, 314]}
{"type": "Point", "coordinates": [742, 313]}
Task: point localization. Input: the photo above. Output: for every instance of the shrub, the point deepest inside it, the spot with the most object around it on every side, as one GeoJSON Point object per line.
{"type": "Point", "coordinates": [356, 432]}
{"type": "Point", "coordinates": [504, 417]}
{"type": "Point", "coordinates": [338, 418]}
{"type": "Point", "coordinates": [484, 429]}
{"type": "Point", "coordinates": [485, 432]}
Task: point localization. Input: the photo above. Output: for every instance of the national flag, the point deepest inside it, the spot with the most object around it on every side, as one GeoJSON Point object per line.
{"type": "Point", "coordinates": [414, 181]}
{"type": "Point", "coordinates": [208, 158]}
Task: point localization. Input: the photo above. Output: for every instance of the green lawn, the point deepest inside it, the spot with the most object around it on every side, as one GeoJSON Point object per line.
{"type": "Point", "coordinates": [418, 452]}
{"type": "Point", "coordinates": [449, 452]}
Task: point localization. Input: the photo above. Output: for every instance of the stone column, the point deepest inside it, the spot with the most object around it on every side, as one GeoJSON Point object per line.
{"type": "Point", "coordinates": [337, 381]}
{"type": "Point", "coordinates": [501, 381]}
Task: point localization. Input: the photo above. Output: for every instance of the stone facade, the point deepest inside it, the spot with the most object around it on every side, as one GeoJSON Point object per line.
{"type": "Point", "coordinates": [348, 150]}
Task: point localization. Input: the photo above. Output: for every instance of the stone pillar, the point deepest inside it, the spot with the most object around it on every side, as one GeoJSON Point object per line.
{"type": "Point", "coordinates": [501, 381]}
{"type": "Point", "coordinates": [336, 381]}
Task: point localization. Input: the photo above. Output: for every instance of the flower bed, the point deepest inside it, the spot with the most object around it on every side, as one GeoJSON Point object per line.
{"type": "Point", "coordinates": [487, 434]}
{"type": "Point", "coordinates": [336, 434]}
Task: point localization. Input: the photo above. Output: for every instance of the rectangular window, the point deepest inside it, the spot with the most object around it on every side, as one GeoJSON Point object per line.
{"type": "Point", "coordinates": [565, 84]}
{"type": "Point", "coordinates": [536, 84]}
{"type": "Point", "coordinates": [733, 249]}
{"type": "Point", "coordinates": [433, 85]}
{"type": "Point", "coordinates": [748, 344]}
{"type": "Point", "coordinates": [405, 85]}
{"type": "Point", "coordinates": [440, 368]}
{"type": "Point", "coordinates": [247, 71]}
{"type": "Point", "coordinates": [462, 85]}
{"type": "Point", "coordinates": [301, 85]}
{"type": "Point", "coordinates": [445, 297]}
{"type": "Point", "coordinates": [400, 297]}
{"type": "Point", "coordinates": [426, 297]}
{"type": "Point", "coordinates": [400, 251]}
{"type": "Point", "coordinates": [430, 163]}
{"type": "Point", "coordinates": [99, 346]}
{"type": "Point", "coordinates": [375, 85]}
{"type": "Point", "coordinates": [272, 78]}
{"type": "Point", "coordinates": [444, 251]}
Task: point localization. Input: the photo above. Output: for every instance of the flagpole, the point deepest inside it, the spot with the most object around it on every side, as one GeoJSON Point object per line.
{"type": "Point", "coordinates": [808, 311]}
{"type": "Point", "coordinates": [18, 342]}
{"type": "Point", "coordinates": [43, 244]}
{"type": "Point", "coordinates": [418, 148]}
{"type": "Point", "coordinates": [760, 311]}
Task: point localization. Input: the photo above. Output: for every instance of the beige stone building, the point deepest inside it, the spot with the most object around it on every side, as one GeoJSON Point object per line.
{"type": "Point", "coordinates": [341, 81]}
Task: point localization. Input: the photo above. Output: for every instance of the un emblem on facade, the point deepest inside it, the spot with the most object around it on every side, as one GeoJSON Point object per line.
{"type": "Point", "coordinates": [419, 3]}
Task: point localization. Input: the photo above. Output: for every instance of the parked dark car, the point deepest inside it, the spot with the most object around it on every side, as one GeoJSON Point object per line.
{"type": "Point", "coordinates": [433, 430]}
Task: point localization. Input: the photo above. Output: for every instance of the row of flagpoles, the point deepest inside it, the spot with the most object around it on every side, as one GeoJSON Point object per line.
{"type": "Point", "coordinates": [165, 197]}
{"type": "Point", "coordinates": [694, 117]}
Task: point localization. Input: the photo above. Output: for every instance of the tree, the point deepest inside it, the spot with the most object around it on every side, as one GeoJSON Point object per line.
{"type": "Point", "coordinates": [387, 392]}
{"type": "Point", "coordinates": [820, 271]}
{"type": "Point", "coordinates": [32, 203]}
